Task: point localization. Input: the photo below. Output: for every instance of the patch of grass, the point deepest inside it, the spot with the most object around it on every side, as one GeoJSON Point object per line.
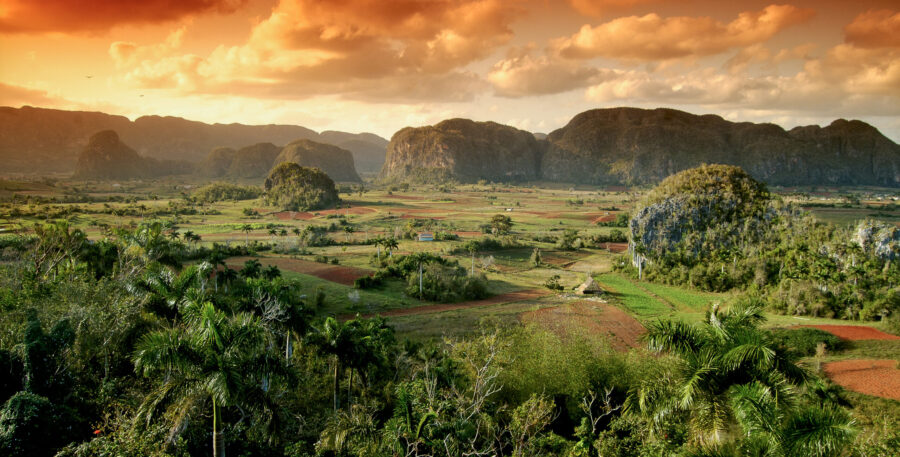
{"type": "Point", "coordinates": [685, 299]}
{"type": "Point", "coordinates": [633, 297]}
{"type": "Point", "coordinates": [805, 340]}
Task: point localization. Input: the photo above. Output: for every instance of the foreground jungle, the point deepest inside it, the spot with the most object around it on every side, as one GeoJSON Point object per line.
{"type": "Point", "coordinates": [708, 316]}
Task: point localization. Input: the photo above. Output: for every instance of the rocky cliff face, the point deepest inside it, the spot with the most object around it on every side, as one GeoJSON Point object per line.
{"type": "Point", "coordinates": [336, 162]}
{"type": "Point", "coordinates": [107, 157]}
{"type": "Point", "coordinates": [465, 150]}
{"type": "Point", "coordinates": [253, 161]}
{"type": "Point", "coordinates": [368, 149]}
{"type": "Point", "coordinates": [46, 140]}
{"type": "Point", "coordinates": [636, 146]}
{"type": "Point", "coordinates": [216, 163]}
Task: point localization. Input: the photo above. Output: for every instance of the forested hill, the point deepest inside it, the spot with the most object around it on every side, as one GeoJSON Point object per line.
{"type": "Point", "coordinates": [638, 146]}
{"type": "Point", "coordinates": [47, 140]}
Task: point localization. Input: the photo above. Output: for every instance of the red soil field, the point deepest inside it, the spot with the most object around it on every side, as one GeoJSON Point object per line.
{"type": "Point", "coordinates": [879, 378]}
{"type": "Point", "coordinates": [334, 273]}
{"type": "Point", "coordinates": [854, 332]}
{"type": "Point", "coordinates": [495, 300]}
{"type": "Point", "coordinates": [621, 330]}
{"type": "Point", "coordinates": [294, 215]}
{"type": "Point", "coordinates": [546, 214]}
{"type": "Point", "coordinates": [353, 210]}
{"type": "Point", "coordinates": [617, 247]}
{"type": "Point", "coordinates": [604, 218]}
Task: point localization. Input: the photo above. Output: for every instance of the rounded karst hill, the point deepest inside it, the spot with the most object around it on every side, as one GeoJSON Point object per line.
{"type": "Point", "coordinates": [253, 161]}
{"type": "Point", "coordinates": [295, 188]}
{"type": "Point", "coordinates": [216, 163]}
{"type": "Point", "coordinates": [465, 150]}
{"type": "Point", "coordinates": [700, 210]}
{"type": "Point", "coordinates": [336, 162]}
{"type": "Point", "coordinates": [107, 157]}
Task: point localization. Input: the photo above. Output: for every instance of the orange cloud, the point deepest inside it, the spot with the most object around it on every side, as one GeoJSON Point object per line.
{"type": "Point", "coordinates": [521, 75]}
{"type": "Point", "coordinates": [600, 8]}
{"type": "Point", "coordinates": [652, 37]}
{"type": "Point", "coordinates": [874, 29]}
{"type": "Point", "coordinates": [68, 16]}
{"type": "Point", "coordinates": [361, 49]}
{"type": "Point", "coordinates": [17, 96]}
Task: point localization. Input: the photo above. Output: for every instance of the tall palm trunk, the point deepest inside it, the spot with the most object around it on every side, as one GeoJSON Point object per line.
{"type": "Point", "coordinates": [350, 392]}
{"type": "Point", "coordinates": [218, 440]}
{"type": "Point", "coordinates": [337, 369]}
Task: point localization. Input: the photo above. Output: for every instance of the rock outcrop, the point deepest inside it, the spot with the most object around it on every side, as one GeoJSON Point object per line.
{"type": "Point", "coordinates": [253, 161]}
{"type": "Point", "coordinates": [464, 150]}
{"type": "Point", "coordinates": [637, 146]}
{"type": "Point", "coordinates": [335, 161]}
{"type": "Point", "coordinates": [879, 238]}
{"type": "Point", "coordinates": [368, 149]}
{"type": "Point", "coordinates": [217, 163]}
{"type": "Point", "coordinates": [107, 157]}
{"type": "Point", "coordinates": [294, 188]}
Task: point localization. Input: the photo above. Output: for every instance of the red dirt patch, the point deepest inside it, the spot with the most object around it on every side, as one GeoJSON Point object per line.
{"type": "Point", "coordinates": [621, 330]}
{"type": "Point", "coordinates": [854, 332]}
{"type": "Point", "coordinates": [495, 300]}
{"type": "Point", "coordinates": [603, 218]}
{"type": "Point", "coordinates": [617, 247]}
{"type": "Point", "coordinates": [880, 378]}
{"type": "Point", "coordinates": [294, 216]}
{"type": "Point", "coordinates": [547, 214]}
{"type": "Point", "coordinates": [334, 273]}
{"type": "Point", "coordinates": [353, 210]}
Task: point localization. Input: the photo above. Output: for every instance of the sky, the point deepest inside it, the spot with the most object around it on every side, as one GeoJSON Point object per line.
{"type": "Point", "coordinates": [381, 65]}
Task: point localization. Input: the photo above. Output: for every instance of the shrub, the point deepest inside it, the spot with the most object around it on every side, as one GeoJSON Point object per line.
{"type": "Point", "coordinates": [804, 340]}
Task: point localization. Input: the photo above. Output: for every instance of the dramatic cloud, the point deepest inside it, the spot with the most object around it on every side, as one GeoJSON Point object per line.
{"type": "Point", "coordinates": [18, 96]}
{"type": "Point", "coordinates": [874, 29]}
{"type": "Point", "coordinates": [68, 16]}
{"type": "Point", "coordinates": [362, 49]}
{"type": "Point", "coordinates": [652, 37]}
{"type": "Point", "coordinates": [600, 8]}
{"type": "Point", "coordinates": [521, 75]}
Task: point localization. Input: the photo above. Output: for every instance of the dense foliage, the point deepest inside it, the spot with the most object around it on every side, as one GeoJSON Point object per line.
{"type": "Point", "coordinates": [124, 346]}
{"type": "Point", "coordinates": [733, 235]}
{"type": "Point", "coordinates": [295, 188]}
{"type": "Point", "coordinates": [221, 191]}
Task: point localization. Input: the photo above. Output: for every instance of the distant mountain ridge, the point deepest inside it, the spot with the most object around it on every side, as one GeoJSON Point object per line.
{"type": "Point", "coordinates": [639, 146]}
{"type": "Point", "coordinates": [258, 160]}
{"type": "Point", "coordinates": [48, 140]}
{"type": "Point", "coordinates": [107, 157]}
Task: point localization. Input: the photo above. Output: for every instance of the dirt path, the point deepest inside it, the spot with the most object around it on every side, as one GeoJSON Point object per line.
{"type": "Point", "coordinates": [334, 273]}
{"type": "Point", "coordinates": [854, 332]}
{"type": "Point", "coordinates": [595, 318]}
{"type": "Point", "coordinates": [495, 300]}
{"type": "Point", "coordinates": [880, 378]}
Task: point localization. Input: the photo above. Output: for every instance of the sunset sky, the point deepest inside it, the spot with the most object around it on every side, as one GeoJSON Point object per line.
{"type": "Point", "coordinates": [380, 65]}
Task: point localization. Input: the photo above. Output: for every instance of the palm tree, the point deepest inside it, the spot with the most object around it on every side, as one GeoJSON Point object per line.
{"type": "Point", "coordinates": [252, 269]}
{"type": "Point", "coordinates": [272, 233]}
{"type": "Point", "coordinates": [337, 339]}
{"type": "Point", "coordinates": [213, 357]}
{"type": "Point", "coordinates": [164, 292]}
{"type": "Point", "coordinates": [247, 228]}
{"type": "Point", "coordinates": [348, 229]}
{"type": "Point", "coordinates": [732, 374]}
{"type": "Point", "coordinates": [378, 241]}
{"type": "Point", "coordinates": [296, 231]}
{"type": "Point", "coordinates": [390, 244]}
